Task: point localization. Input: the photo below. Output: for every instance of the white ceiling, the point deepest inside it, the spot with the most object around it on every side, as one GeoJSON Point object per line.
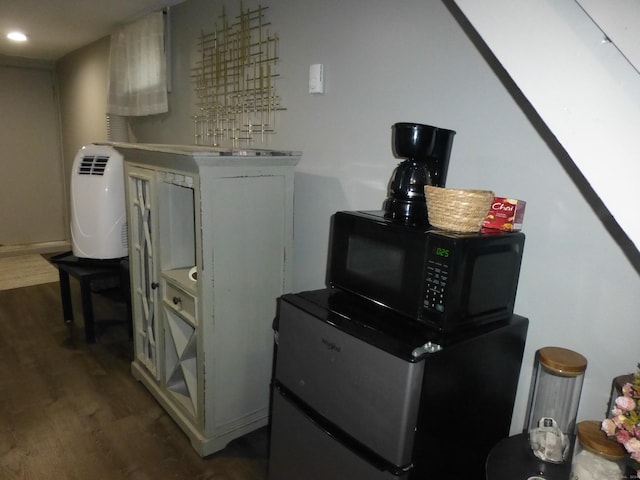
{"type": "Point", "coordinates": [57, 27]}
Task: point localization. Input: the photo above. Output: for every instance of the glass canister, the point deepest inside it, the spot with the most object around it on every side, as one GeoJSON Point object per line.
{"type": "Point", "coordinates": [554, 400]}
{"type": "Point", "coordinates": [595, 456]}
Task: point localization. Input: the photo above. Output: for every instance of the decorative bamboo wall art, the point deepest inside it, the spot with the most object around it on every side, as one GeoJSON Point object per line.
{"type": "Point", "coordinates": [235, 79]}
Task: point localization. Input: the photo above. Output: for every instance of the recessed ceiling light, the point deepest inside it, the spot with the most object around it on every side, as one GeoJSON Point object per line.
{"type": "Point", "coordinates": [17, 36]}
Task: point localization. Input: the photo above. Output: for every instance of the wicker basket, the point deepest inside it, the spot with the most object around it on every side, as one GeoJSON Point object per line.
{"type": "Point", "coordinates": [457, 210]}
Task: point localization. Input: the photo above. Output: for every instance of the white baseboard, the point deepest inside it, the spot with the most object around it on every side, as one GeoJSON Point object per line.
{"type": "Point", "coordinates": [44, 247]}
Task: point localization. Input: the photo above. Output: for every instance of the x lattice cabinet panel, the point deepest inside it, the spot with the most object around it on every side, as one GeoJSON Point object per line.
{"type": "Point", "coordinates": [210, 251]}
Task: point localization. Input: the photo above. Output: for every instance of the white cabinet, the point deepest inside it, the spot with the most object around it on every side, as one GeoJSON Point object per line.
{"type": "Point", "coordinates": [204, 347]}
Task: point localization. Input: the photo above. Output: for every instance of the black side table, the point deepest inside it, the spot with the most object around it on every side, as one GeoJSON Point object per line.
{"type": "Point", "coordinates": [87, 273]}
{"type": "Point", "coordinates": [512, 459]}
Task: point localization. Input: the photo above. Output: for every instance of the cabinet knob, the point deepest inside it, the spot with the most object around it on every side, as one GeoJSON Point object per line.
{"type": "Point", "coordinates": [177, 300]}
{"type": "Point", "coordinates": [154, 285]}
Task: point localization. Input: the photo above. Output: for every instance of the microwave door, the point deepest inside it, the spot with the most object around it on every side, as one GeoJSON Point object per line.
{"type": "Point", "coordinates": [377, 261]}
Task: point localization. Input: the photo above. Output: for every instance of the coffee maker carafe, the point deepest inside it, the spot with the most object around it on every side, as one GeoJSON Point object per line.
{"type": "Point", "coordinates": [426, 151]}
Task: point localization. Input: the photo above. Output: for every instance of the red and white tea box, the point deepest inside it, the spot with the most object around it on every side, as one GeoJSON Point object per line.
{"type": "Point", "coordinates": [505, 214]}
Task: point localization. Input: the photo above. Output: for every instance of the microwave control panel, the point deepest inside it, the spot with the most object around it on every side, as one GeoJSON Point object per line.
{"type": "Point", "coordinates": [436, 282]}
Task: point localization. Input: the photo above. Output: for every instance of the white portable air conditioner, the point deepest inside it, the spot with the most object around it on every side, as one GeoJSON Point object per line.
{"type": "Point", "coordinates": [98, 217]}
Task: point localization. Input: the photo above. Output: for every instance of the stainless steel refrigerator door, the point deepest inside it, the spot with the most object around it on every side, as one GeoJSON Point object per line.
{"type": "Point", "coordinates": [300, 449]}
{"type": "Point", "coordinates": [372, 395]}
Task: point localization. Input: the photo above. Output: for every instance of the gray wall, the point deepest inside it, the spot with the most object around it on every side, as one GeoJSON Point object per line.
{"type": "Point", "coordinates": [82, 78]}
{"type": "Point", "coordinates": [582, 84]}
{"type": "Point", "coordinates": [409, 60]}
{"type": "Point", "coordinates": [33, 214]}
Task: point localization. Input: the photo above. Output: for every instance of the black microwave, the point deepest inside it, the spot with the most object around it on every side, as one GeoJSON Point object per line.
{"type": "Point", "coordinates": [449, 281]}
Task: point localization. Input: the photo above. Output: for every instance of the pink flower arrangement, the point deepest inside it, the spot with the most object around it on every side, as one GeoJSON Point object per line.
{"type": "Point", "coordinates": [624, 423]}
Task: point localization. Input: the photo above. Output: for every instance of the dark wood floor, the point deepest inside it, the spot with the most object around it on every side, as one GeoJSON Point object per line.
{"type": "Point", "coordinates": [73, 411]}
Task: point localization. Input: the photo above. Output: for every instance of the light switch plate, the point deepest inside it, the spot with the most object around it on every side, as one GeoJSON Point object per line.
{"type": "Point", "coordinates": [316, 78]}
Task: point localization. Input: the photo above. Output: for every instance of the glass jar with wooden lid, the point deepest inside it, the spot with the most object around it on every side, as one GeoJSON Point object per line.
{"type": "Point", "coordinates": [554, 400]}
{"type": "Point", "coordinates": [595, 456]}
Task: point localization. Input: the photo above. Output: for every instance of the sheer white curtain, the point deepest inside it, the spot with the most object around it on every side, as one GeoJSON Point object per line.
{"type": "Point", "coordinates": [137, 68]}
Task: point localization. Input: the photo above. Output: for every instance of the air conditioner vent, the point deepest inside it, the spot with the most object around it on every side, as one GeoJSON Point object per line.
{"type": "Point", "coordinates": [93, 165]}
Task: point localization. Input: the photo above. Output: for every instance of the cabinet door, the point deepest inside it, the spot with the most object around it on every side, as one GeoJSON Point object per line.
{"type": "Point", "coordinates": [144, 279]}
{"type": "Point", "coordinates": [181, 347]}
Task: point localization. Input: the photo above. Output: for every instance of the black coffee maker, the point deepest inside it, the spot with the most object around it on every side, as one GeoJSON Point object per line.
{"type": "Point", "coordinates": [426, 151]}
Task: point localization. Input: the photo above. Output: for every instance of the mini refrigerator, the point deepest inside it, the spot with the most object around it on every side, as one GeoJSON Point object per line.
{"type": "Point", "coordinates": [362, 393]}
